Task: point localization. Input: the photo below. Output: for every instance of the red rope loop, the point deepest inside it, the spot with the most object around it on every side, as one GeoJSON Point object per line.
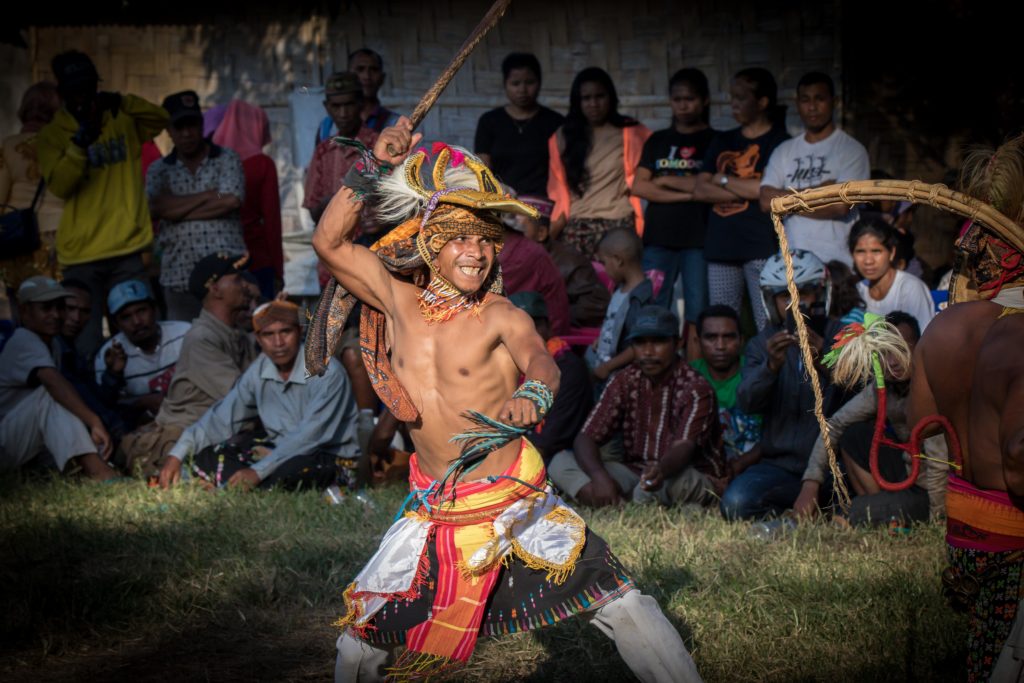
{"type": "Point", "coordinates": [913, 446]}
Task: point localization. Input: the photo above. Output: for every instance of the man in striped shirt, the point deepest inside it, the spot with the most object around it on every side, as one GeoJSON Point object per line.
{"type": "Point", "coordinates": [667, 417]}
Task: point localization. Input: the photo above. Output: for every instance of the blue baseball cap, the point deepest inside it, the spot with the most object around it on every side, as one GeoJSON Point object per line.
{"type": "Point", "coordinates": [127, 292]}
{"type": "Point", "coordinates": [654, 322]}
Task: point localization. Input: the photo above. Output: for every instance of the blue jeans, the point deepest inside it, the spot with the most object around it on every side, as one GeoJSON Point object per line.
{"type": "Point", "coordinates": [762, 489]}
{"type": "Point", "coordinates": [686, 263]}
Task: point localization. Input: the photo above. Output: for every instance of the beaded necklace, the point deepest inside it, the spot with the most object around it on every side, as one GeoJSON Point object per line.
{"type": "Point", "coordinates": [441, 301]}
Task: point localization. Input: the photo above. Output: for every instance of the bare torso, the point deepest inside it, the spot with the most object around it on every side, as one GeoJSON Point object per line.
{"type": "Point", "coordinates": [951, 357]}
{"type": "Point", "coordinates": [999, 369]}
{"type": "Point", "coordinates": [449, 368]}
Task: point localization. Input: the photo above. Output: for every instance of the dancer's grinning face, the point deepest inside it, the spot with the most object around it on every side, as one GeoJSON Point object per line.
{"type": "Point", "coordinates": [466, 261]}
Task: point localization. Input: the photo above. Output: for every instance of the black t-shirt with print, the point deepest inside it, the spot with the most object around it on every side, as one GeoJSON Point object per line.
{"type": "Point", "coordinates": [518, 149]}
{"type": "Point", "coordinates": [739, 231]}
{"type": "Point", "coordinates": [679, 225]}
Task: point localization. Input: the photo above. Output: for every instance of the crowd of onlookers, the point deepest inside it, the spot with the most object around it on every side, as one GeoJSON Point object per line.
{"type": "Point", "coordinates": [147, 333]}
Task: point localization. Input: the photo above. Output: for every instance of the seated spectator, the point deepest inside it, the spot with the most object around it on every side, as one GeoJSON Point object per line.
{"type": "Point", "coordinates": [852, 429]}
{"type": "Point", "coordinates": [343, 101]}
{"type": "Point", "coordinates": [666, 414]}
{"type": "Point", "coordinates": [588, 297]}
{"type": "Point", "coordinates": [885, 288]}
{"type": "Point", "coordinates": [77, 369]}
{"type": "Point", "coordinates": [575, 396]}
{"type": "Point", "coordinates": [77, 310]}
{"type": "Point", "coordinates": [195, 192]}
{"type": "Point", "coordinates": [137, 363]}
{"type": "Point", "coordinates": [847, 306]}
{"type": "Point", "coordinates": [41, 414]}
{"type": "Point", "coordinates": [620, 251]}
{"type": "Point", "coordinates": [306, 422]}
{"type": "Point", "coordinates": [526, 267]}
{"type": "Point", "coordinates": [214, 353]}
{"type": "Point", "coordinates": [774, 385]}
{"type": "Point", "coordinates": [721, 347]}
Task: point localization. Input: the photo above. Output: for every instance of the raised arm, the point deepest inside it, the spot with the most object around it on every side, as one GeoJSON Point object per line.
{"type": "Point", "coordinates": [355, 267]}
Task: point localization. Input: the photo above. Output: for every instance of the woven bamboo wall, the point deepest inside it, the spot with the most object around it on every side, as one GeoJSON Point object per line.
{"type": "Point", "coordinates": [262, 57]}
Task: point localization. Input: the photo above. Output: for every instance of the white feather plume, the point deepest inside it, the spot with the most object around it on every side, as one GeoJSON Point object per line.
{"type": "Point", "coordinates": [396, 202]}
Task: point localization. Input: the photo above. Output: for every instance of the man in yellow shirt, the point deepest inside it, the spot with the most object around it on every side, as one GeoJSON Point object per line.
{"type": "Point", "coordinates": [89, 156]}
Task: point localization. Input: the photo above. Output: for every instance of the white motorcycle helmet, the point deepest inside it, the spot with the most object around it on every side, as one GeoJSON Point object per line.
{"type": "Point", "coordinates": [808, 271]}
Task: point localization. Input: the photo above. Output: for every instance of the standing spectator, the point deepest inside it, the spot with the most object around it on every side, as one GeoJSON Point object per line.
{"type": "Point", "coordinates": [526, 267]}
{"type": "Point", "coordinates": [718, 328]}
{"type": "Point", "coordinates": [40, 411]}
{"type": "Point", "coordinates": [885, 288]}
{"type": "Point", "coordinates": [575, 396]}
{"type": "Point", "coordinates": [246, 130]}
{"type": "Point", "coordinates": [512, 140]}
{"type": "Point", "coordinates": [593, 158]}
{"type": "Point", "coordinates": [823, 155]}
{"type": "Point", "coordinates": [213, 355]}
{"type": "Point", "coordinates": [20, 181]}
{"type": "Point", "coordinates": [89, 156]}
{"type": "Point", "coordinates": [368, 67]}
{"type": "Point", "coordinates": [137, 364]}
{"type": "Point", "coordinates": [588, 297]}
{"type": "Point", "coordinates": [674, 224]}
{"type": "Point", "coordinates": [196, 192]}
{"type": "Point", "coordinates": [775, 385]}
{"type": "Point", "coordinates": [740, 236]}
{"type": "Point", "coordinates": [306, 423]}
{"type": "Point", "coordinates": [666, 414]}
{"type": "Point", "coordinates": [343, 100]}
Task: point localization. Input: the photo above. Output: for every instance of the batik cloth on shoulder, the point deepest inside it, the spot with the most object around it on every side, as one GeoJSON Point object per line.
{"type": "Point", "coordinates": [506, 555]}
{"type": "Point", "coordinates": [985, 536]}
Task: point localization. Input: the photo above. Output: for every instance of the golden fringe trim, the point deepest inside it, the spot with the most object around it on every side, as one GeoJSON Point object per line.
{"type": "Point", "coordinates": [557, 573]}
{"type": "Point", "coordinates": [1008, 311]}
{"type": "Point", "coordinates": [353, 609]}
{"type": "Point", "coordinates": [419, 666]}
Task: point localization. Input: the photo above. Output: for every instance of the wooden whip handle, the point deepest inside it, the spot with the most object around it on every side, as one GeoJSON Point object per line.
{"type": "Point", "coordinates": [430, 97]}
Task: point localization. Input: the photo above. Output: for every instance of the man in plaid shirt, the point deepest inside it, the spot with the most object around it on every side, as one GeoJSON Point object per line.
{"type": "Point", "coordinates": [667, 416]}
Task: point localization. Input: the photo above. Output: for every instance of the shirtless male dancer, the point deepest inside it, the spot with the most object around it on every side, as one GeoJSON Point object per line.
{"type": "Point", "coordinates": [977, 345]}
{"type": "Point", "coordinates": [501, 553]}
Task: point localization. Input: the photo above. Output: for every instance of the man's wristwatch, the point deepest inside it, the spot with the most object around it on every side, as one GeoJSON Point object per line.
{"type": "Point", "coordinates": [724, 180]}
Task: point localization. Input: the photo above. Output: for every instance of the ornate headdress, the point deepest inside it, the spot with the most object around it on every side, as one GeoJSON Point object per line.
{"type": "Point", "coordinates": [988, 261]}
{"type": "Point", "coordinates": [464, 199]}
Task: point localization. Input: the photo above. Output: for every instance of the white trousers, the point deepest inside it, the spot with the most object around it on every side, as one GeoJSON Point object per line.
{"type": "Point", "coordinates": [646, 641]}
{"type": "Point", "coordinates": [40, 425]}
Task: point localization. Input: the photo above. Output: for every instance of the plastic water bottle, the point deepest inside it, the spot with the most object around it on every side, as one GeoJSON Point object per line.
{"type": "Point", "coordinates": [334, 495]}
{"type": "Point", "coordinates": [365, 499]}
{"type": "Point", "coordinates": [772, 529]}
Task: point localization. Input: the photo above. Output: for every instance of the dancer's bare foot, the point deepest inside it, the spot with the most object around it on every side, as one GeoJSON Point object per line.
{"type": "Point", "coordinates": [95, 468]}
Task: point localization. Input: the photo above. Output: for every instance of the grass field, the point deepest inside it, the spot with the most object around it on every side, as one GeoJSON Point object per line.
{"type": "Point", "coordinates": [122, 583]}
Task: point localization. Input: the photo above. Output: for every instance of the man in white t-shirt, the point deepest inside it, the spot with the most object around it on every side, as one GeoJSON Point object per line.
{"type": "Point", "coordinates": [823, 155]}
{"type": "Point", "coordinates": [138, 362]}
{"type": "Point", "coordinates": [41, 413]}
